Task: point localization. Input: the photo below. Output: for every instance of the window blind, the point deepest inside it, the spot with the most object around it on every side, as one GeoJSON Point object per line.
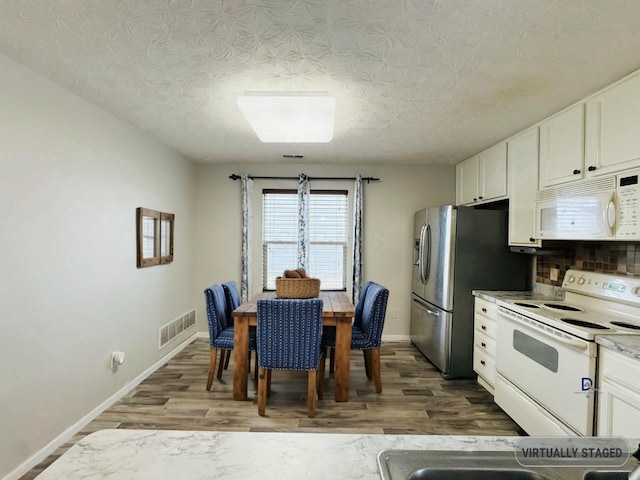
{"type": "Point", "coordinates": [328, 236]}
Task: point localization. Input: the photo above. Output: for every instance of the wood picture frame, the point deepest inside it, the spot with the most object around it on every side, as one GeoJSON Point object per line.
{"type": "Point", "coordinates": [154, 237]}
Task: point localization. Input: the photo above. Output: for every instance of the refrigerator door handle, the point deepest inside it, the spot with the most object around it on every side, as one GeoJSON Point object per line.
{"type": "Point", "coordinates": [424, 307]}
{"type": "Point", "coordinates": [427, 255]}
{"type": "Point", "coordinates": [421, 255]}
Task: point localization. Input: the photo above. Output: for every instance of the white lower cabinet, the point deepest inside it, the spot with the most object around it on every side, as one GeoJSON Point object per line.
{"type": "Point", "coordinates": [484, 342]}
{"type": "Point", "coordinates": [618, 400]}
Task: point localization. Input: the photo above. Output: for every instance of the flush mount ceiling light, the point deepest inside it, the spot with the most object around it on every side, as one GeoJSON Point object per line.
{"type": "Point", "coordinates": [290, 117]}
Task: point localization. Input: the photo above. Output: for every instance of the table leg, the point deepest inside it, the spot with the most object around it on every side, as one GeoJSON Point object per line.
{"type": "Point", "coordinates": [240, 357]}
{"type": "Point", "coordinates": [342, 361]}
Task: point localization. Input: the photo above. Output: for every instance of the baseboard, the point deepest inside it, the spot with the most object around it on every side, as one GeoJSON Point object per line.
{"type": "Point", "coordinates": [395, 338]}
{"type": "Point", "coordinates": [64, 437]}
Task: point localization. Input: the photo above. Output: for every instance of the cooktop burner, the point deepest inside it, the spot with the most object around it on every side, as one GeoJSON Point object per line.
{"type": "Point", "coordinates": [561, 306]}
{"type": "Point", "coordinates": [528, 305]}
{"type": "Point", "coordinates": [590, 304]}
{"type": "Point", "coordinates": [626, 325]}
{"type": "Point", "coordinates": [583, 323]}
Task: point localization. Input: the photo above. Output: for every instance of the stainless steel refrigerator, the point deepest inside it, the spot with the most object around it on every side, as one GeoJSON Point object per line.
{"type": "Point", "coordinates": [457, 250]}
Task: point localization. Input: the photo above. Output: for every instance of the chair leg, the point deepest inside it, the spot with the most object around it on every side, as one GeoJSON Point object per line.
{"type": "Point", "coordinates": [367, 363]}
{"type": "Point", "coordinates": [227, 357]}
{"type": "Point", "coordinates": [255, 369]}
{"type": "Point", "coordinates": [332, 360]}
{"type": "Point", "coordinates": [213, 354]}
{"type": "Point", "coordinates": [320, 379]}
{"type": "Point", "coordinates": [375, 366]}
{"type": "Point", "coordinates": [262, 390]}
{"type": "Point", "coordinates": [223, 359]}
{"type": "Point", "coordinates": [269, 383]}
{"type": "Point", "coordinates": [311, 393]}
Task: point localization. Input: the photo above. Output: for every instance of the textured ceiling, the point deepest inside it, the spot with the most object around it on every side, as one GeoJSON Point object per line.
{"type": "Point", "coordinates": [416, 81]}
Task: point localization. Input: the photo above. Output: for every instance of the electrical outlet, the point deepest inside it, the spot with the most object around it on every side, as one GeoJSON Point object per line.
{"type": "Point", "coordinates": [553, 274]}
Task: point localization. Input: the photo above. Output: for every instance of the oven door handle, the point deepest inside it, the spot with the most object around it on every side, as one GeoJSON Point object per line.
{"type": "Point", "coordinates": [578, 345]}
{"type": "Point", "coordinates": [543, 330]}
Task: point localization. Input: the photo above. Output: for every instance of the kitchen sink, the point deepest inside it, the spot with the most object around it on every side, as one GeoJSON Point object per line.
{"type": "Point", "coordinates": [454, 465]}
{"type": "Point", "coordinates": [474, 474]}
{"type": "Point", "coordinates": [483, 465]}
{"type": "Point", "coordinates": [607, 475]}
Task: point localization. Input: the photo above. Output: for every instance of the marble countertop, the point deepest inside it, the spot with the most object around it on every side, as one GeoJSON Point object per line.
{"type": "Point", "coordinates": [163, 454]}
{"type": "Point", "coordinates": [625, 344]}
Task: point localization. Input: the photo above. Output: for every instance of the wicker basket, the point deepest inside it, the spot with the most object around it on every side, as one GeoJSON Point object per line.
{"type": "Point", "coordinates": [297, 287]}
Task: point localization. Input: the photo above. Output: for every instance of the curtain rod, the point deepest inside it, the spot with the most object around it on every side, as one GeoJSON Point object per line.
{"type": "Point", "coordinates": [233, 176]}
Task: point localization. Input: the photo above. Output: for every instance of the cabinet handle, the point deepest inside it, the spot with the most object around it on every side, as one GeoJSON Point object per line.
{"type": "Point", "coordinates": [475, 199]}
{"type": "Point", "coordinates": [483, 327]}
{"type": "Point", "coordinates": [480, 198]}
{"type": "Point", "coordinates": [483, 344]}
{"type": "Point", "coordinates": [591, 168]}
{"type": "Point", "coordinates": [576, 171]}
{"type": "Point", "coordinates": [531, 239]}
{"type": "Point", "coordinates": [484, 310]}
{"type": "Point", "coordinates": [483, 362]}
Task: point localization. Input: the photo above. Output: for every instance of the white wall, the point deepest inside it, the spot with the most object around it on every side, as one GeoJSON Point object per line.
{"type": "Point", "coordinates": [71, 177]}
{"type": "Point", "coordinates": [388, 223]}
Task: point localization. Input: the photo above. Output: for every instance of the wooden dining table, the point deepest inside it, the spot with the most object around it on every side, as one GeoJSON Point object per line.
{"type": "Point", "coordinates": [337, 310]}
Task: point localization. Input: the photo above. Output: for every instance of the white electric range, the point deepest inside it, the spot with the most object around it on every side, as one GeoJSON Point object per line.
{"type": "Point", "coordinates": [546, 357]}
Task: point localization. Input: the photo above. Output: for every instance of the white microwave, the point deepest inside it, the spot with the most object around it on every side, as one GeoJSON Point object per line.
{"type": "Point", "coordinates": [603, 208]}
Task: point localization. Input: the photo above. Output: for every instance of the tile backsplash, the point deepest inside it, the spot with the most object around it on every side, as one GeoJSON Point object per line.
{"type": "Point", "coordinates": [607, 257]}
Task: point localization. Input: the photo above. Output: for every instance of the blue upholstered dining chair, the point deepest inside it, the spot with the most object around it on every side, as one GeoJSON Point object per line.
{"type": "Point", "coordinates": [330, 332]}
{"type": "Point", "coordinates": [220, 330]}
{"type": "Point", "coordinates": [366, 331]}
{"type": "Point", "coordinates": [289, 333]}
{"type": "Point", "coordinates": [360, 305]}
{"type": "Point", "coordinates": [232, 297]}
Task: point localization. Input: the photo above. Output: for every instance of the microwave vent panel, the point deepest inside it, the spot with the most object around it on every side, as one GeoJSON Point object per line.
{"type": "Point", "coordinates": [586, 187]}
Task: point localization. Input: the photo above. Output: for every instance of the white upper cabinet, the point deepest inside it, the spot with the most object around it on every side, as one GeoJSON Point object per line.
{"type": "Point", "coordinates": [612, 133]}
{"type": "Point", "coordinates": [522, 154]}
{"type": "Point", "coordinates": [467, 174]}
{"type": "Point", "coordinates": [483, 178]}
{"type": "Point", "coordinates": [493, 176]}
{"type": "Point", "coordinates": [562, 147]}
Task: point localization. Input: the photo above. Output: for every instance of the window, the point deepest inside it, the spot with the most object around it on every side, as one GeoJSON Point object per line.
{"type": "Point", "coordinates": [328, 237]}
{"type": "Point", "coordinates": [154, 237]}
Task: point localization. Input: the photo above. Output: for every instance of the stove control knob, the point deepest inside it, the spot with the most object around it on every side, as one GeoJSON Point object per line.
{"type": "Point", "coordinates": [636, 291]}
{"type": "Point", "coordinates": [571, 279]}
{"type": "Point", "coordinates": [581, 281]}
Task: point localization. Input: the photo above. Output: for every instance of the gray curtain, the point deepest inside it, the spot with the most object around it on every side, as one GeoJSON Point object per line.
{"type": "Point", "coordinates": [247, 215]}
{"type": "Point", "coordinates": [357, 239]}
{"type": "Point", "coordinates": [303, 220]}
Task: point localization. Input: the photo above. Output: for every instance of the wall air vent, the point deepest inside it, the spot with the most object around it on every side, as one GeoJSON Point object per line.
{"type": "Point", "coordinates": [177, 327]}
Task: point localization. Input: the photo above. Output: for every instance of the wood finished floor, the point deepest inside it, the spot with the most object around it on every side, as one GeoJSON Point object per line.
{"type": "Point", "coordinates": [415, 400]}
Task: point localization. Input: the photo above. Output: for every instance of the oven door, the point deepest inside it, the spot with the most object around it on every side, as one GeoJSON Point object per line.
{"type": "Point", "coordinates": [552, 368]}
